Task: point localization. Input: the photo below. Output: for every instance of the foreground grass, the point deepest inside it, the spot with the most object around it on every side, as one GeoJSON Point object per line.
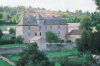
{"type": "Point", "coordinates": [62, 53]}
{"type": "Point", "coordinates": [13, 58]}
{"type": "Point", "coordinates": [12, 45]}
{"type": "Point", "coordinates": [3, 63]}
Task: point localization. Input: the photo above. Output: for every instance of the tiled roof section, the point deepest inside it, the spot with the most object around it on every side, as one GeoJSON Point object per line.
{"type": "Point", "coordinates": [54, 21]}
{"type": "Point", "coordinates": [73, 25]}
{"type": "Point", "coordinates": [76, 32]}
{"type": "Point", "coordinates": [32, 20]}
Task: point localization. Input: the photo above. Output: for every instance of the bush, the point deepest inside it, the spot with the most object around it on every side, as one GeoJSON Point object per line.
{"type": "Point", "coordinates": [19, 40]}
{"type": "Point", "coordinates": [69, 41]}
{"type": "Point", "coordinates": [11, 31]}
{"type": "Point", "coordinates": [10, 41]}
{"type": "Point", "coordinates": [31, 56]}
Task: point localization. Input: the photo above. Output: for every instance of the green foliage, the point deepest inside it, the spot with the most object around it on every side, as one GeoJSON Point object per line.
{"type": "Point", "coordinates": [85, 23]}
{"type": "Point", "coordinates": [51, 37]}
{"type": "Point", "coordinates": [11, 31]}
{"type": "Point", "coordinates": [97, 2]}
{"type": "Point", "coordinates": [69, 41]}
{"type": "Point", "coordinates": [19, 39]}
{"type": "Point", "coordinates": [1, 34]}
{"type": "Point", "coordinates": [31, 56]}
{"type": "Point", "coordinates": [74, 17]}
{"type": "Point", "coordinates": [90, 39]}
{"type": "Point", "coordinates": [64, 61]}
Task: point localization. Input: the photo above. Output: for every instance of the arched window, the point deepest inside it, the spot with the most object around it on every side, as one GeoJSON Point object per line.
{"type": "Point", "coordinates": [35, 34]}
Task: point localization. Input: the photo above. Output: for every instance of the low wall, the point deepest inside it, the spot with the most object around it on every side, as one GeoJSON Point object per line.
{"type": "Point", "coordinates": [60, 46]}
{"type": "Point", "coordinates": [14, 50]}
{"type": "Point", "coordinates": [50, 47]}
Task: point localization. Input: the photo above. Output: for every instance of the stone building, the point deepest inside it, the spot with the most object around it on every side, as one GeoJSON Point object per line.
{"type": "Point", "coordinates": [31, 26]}
{"type": "Point", "coordinates": [74, 34]}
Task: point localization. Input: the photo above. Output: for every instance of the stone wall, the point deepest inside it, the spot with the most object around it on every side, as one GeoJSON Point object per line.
{"type": "Point", "coordinates": [14, 50]}
{"type": "Point", "coordinates": [60, 46]}
{"type": "Point", "coordinates": [50, 47]}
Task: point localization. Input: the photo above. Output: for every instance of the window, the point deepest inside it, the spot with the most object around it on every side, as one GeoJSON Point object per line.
{"type": "Point", "coordinates": [58, 32]}
{"type": "Point", "coordinates": [29, 27]}
{"type": "Point", "coordinates": [50, 27]}
{"type": "Point", "coordinates": [40, 33]}
{"type": "Point", "coordinates": [35, 34]}
{"type": "Point", "coordinates": [39, 27]}
{"type": "Point", "coordinates": [58, 27]}
{"type": "Point", "coordinates": [28, 21]}
{"type": "Point", "coordinates": [45, 27]}
{"type": "Point", "coordinates": [28, 34]}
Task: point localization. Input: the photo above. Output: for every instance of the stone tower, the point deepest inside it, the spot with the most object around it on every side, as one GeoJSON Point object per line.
{"type": "Point", "coordinates": [40, 22]}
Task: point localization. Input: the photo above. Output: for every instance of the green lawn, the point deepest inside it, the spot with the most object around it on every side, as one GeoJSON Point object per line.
{"type": "Point", "coordinates": [12, 45]}
{"type": "Point", "coordinates": [3, 63]}
{"type": "Point", "coordinates": [62, 53]}
{"type": "Point", "coordinates": [5, 28]}
{"type": "Point", "coordinates": [13, 58]}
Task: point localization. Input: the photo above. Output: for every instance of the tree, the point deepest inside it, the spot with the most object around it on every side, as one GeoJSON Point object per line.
{"type": "Point", "coordinates": [1, 34]}
{"type": "Point", "coordinates": [51, 37]}
{"type": "Point", "coordinates": [11, 31]}
{"type": "Point", "coordinates": [31, 56]}
{"type": "Point", "coordinates": [19, 40]}
{"type": "Point", "coordinates": [97, 2]}
{"type": "Point", "coordinates": [85, 23]}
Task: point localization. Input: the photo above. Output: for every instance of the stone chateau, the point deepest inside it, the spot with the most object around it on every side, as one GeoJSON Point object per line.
{"type": "Point", "coordinates": [31, 26]}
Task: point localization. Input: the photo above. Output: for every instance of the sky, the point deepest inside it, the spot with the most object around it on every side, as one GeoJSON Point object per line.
{"type": "Point", "coordinates": [56, 5]}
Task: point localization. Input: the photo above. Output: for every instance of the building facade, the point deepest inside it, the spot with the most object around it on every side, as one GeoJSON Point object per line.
{"type": "Point", "coordinates": [31, 26]}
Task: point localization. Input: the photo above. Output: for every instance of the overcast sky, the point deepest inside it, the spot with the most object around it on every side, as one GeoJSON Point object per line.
{"type": "Point", "coordinates": [71, 5]}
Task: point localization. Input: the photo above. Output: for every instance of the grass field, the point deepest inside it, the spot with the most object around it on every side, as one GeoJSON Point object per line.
{"type": "Point", "coordinates": [3, 63]}
{"type": "Point", "coordinates": [5, 28]}
{"type": "Point", "coordinates": [12, 45]}
{"type": "Point", "coordinates": [13, 58]}
{"type": "Point", "coordinates": [62, 53]}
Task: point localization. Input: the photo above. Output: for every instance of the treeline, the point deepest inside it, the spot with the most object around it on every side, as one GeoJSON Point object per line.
{"type": "Point", "coordinates": [74, 17]}
{"type": "Point", "coordinates": [13, 15]}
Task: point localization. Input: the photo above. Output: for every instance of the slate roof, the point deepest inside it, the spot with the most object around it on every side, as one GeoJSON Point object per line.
{"type": "Point", "coordinates": [76, 32]}
{"type": "Point", "coordinates": [32, 20]}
